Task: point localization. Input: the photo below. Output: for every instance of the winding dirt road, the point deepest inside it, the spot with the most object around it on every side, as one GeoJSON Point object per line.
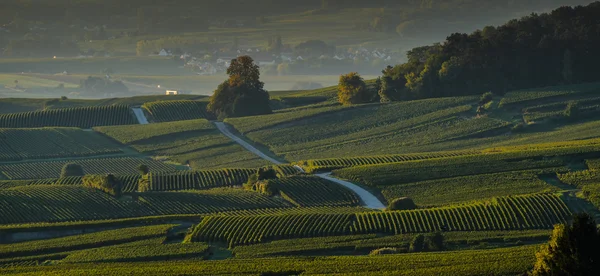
{"type": "Point", "coordinates": [368, 199]}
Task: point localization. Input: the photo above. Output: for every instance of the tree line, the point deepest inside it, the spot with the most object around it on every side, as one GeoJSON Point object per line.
{"type": "Point", "coordinates": [560, 47]}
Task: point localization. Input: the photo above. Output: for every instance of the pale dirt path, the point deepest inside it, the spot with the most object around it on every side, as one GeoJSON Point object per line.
{"type": "Point", "coordinates": [139, 114]}
{"type": "Point", "coordinates": [368, 199]}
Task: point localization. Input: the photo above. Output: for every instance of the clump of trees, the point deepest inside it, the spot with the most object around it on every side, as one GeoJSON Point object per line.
{"type": "Point", "coordinates": [96, 85]}
{"type": "Point", "coordinates": [534, 51]}
{"type": "Point", "coordinates": [403, 203]}
{"type": "Point", "coordinates": [572, 249]}
{"type": "Point", "coordinates": [71, 169]}
{"type": "Point", "coordinates": [261, 182]}
{"type": "Point", "coordinates": [243, 94]}
{"type": "Point", "coordinates": [107, 183]}
{"type": "Point", "coordinates": [429, 242]}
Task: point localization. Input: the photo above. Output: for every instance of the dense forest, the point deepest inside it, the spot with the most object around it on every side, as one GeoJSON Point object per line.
{"type": "Point", "coordinates": [553, 48]}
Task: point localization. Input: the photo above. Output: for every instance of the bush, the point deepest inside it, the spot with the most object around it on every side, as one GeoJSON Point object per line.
{"type": "Point", "coordinates": [259, 182]}
{"type": "Point", "coordinates": [403, 203]}
{"type": "Point", "coordinates": [572, 110]}
{"type": "Point", "coordinates": [417, 244]}
{"type": "Point", "coordinates": [384, 251]}
{"type": "Point", "coordinates": [106, 183]}
{"type": "Point", "coordinates": [144, 183]}
{"type": "Point", "coordinates": [71, 170]}
{"type": "Point", "coordinates": [435, 242]}
{"type": "Point", "coordinates": [486, 98]}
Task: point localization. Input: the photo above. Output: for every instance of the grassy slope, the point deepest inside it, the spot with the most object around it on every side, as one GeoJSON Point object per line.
{"type": "Point", "coordinates": [196, 141]}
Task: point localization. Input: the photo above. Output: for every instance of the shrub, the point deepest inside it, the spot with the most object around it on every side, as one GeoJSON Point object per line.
{"type": "Point", "coordinates": [572, 110]}
{"type": "Point", "coordinates": [486, 98]}
{"type": "Point", "coordinates": [144, 183]}
{"type": "Point", "coordinates": [435, 242]}
{"type": "Point", "coordinates": [403, 203]}
{"type": "Point", "coordinates": [106, 183]}
{"type": "Point", "coordinates": [71, 170]}
{"type": "Point", "coordinates": [417, 244]}
{"type": "Point", "coordinates": [384, 251]}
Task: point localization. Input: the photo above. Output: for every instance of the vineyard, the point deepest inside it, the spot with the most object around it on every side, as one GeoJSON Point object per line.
{"type": "Point", "coordinates": [82, 117]}
{"type": "Point", "coordinates": [18, 144]}
{"type": "Point", "coordinates": [168, 111]}
{"type": "Point", "coordinates": [473, 187]}
{"type": "Point", "coordinates": [539, 211]}
{"type": "Point", "coordinates": [500, 261]}
{"type": "Point", "coordinates": [307, 191]}
{"type": "Point", "coordinates": [51, 169]}
{"type": "Point", "coordinates": [194, 142]}
{"type": "Point", "coordinates": [44, 203]}
{"type": "Point", "coordinates": [83, 241]}
{"type": "Point", "coordinates": [333, 131]}
{"type": "Point", "coordinates": [198, 180]}
{"type": "Point", "coordinates": [135, 252]}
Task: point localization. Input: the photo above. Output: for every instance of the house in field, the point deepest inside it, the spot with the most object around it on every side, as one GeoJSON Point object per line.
{"type": "Point", "coordinates": [176, 92]}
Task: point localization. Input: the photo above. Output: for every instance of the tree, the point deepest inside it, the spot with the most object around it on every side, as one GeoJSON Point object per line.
{"type": "Point", "coordinates": [242, 94]}
{"type": "Point", "coordinates": [352, 89]}
{"type": "Point", "coordinates": [71, 170]}
{"type": "Point", "coordinates": [143, 169]}
{"type": "Point", "coordinates": [572, 249]}
{"type": "Point", "coordinates": [403, 203]}
{"type": "Point", "coordinates": [417, 244]}
{"type": "Point", "coordinates": [435, 242]}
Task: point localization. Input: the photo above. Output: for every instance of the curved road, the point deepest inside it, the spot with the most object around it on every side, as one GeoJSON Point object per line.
{"type": "Point", "coordinates": [368, 199]}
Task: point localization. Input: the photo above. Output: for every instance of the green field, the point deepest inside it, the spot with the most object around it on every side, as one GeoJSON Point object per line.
{"type": "Point", "coordinates": [194, 142]}
{"type": "Point", "coordinates": [493, 193]}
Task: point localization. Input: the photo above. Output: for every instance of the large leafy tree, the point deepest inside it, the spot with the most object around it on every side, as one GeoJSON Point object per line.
{"type": "Point", "coordinates": [352, 89]}
{"type": "Point", "coordinates": [243, 94]}
{"type": "Point", "coordinates": [572, 250]}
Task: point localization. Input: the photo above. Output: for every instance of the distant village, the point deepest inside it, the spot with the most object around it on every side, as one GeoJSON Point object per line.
{"type": "Point", "coordinates": [218, 61]}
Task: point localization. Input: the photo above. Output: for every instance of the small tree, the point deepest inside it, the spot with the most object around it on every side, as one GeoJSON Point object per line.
{"type": "Point", "coordinates": [572, 249]}
{"type": "Point", "coordinates": [417, 244]}
{"type": "Point", "coordinates": [403, 203]}
{"type": "Point", "coordinates": [71, 170]}
{"type": "Point", "coordinates": [143, 169]}
{"type": "Point", "coordinates": [352, 89]}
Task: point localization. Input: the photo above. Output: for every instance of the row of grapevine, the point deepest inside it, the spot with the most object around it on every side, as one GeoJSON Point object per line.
{"type": "Point", "coordinates": [133, 252]}
{"type": "Point", "coordinates": [90, 240]}
{"type": "Point", "coordinates": [513, 260]}
{"type": "Point", "coordinates": [306, 191]}
{"type": "Point", "coordinates": [337, 163]}
{"type": "Point", "coordinates": [57, 203]}
{"type": "Point", "coordinates": [51, 169]}
{"type": "Point", "coordinates": [83, 117]}
{"type": "Point", "coordinates": [537, 211]}
{"type": "Point", "coordinates": [167, 111]}
{"type": "Point", "coordinates": [237, 230]}
{"type": "Point", "coordinates": [17, 144]}
{"type": "Point", "coordinates": [198, 180]}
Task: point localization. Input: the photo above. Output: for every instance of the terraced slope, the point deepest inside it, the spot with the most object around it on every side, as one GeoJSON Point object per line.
{"type": "Point", "coordinates": [45, 203]}
{"type": "Point", "coordinates": [196, 143]}
{"type": "Point", "coordinates": [34, 143]}
{"type": "Point", "coordinates": [51, 169]}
